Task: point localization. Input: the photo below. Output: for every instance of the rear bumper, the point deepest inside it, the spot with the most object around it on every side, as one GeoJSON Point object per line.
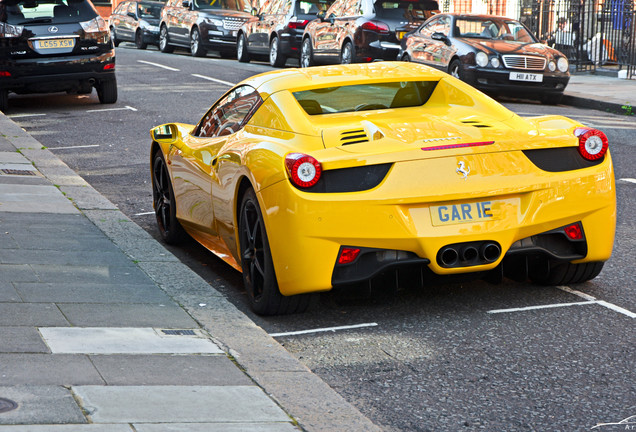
{"type": "Point", "coordinates": [399, 222]}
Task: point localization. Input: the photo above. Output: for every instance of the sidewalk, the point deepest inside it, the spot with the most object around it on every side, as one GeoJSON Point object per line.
{"type": "Point", "coordinates": [103, 330]}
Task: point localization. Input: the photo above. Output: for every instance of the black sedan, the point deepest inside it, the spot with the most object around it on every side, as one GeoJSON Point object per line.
{"type": "Point", "coordinates": [494, 54]}
{"type": "Point", "coordinates": [136, 22]}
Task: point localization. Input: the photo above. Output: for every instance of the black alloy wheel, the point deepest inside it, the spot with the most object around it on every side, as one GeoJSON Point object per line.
{"type": "Point", "coordinates": [259, 277]}
{"type": "Point", "coordinates": [164, 40]}
{"type": "Point", "coordinates": [306, 54]}
{"type": "Point", "coordinates": [164, 202]}
{"type": "Point", "coordinates": [276, 57]}
{"type": "Point", "coordinates": [139, 40]}
{"type": "Point", "coordinates": [196, 45]}
{"type": "Point", "coordinates": [241, 49]}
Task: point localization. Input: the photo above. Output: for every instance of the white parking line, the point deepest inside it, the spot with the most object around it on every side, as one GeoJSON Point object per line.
{"type": "Point", "coordinates": [600, 302]}
{"type": "Point", "coordinates": [214, 79]}
{"type": "Point", "coordinates": [25, 115]}
{"type": "Point", "coordinates": [144, 213]}
{"type": "Point", "coordinates": [159, 65]}
{"type": "Point", "coordinates": [628, 180]}
{"type": "Point", "coordinates": [550, 306]}
{"type": "Point", "coordinates": [113, 109]}
{"type": "Point", "coordinates": [326, 329]}
{"type": "Point", "coordinates": [73, 147]}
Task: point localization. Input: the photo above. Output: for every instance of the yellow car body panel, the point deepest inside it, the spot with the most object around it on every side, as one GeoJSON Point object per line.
{"type": "Point", "coordinates": [423, 203]}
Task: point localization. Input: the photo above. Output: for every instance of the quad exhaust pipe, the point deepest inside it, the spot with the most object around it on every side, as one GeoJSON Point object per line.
{"type": "Point", "coordinates": [469, 254]}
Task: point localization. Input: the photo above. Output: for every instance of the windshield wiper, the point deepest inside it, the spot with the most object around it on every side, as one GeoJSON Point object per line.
{"type": "Point", "coordinates": [37, 20]}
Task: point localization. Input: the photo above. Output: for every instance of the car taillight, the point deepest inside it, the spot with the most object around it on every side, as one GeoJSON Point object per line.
{"type": "Point", "coordinates": [376, 26]}
{"type": "Point", "coordinates": [348, 255]}
{"type": "Point", "coordinates": [574, 231]}
{"type": "Point", "coordinates": [10, 31]}
{"type": "Point", "coordinates": [297, 24]}
{"type": "Point", "coordinates": [592, 143]}
{"type": "Point", "coordinates": [109, 66]}
{"type": "Point", "coordinates": [5, 74]}
{"type": "Point", "coordinates": [304, 170]}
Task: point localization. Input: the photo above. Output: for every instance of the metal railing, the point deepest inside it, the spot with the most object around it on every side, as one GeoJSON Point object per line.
{"type": "Point", "coordinates": [594, 34]}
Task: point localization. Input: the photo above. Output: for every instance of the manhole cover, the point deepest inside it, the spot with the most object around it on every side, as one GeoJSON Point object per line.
{"type": "Point", "coordinates": [7, 405]}
{"type": "Point", "coordinates": [18, 172]}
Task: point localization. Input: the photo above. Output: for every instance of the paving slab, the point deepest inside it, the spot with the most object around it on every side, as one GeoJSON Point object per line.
{"type": "Point", "coordinates": [178, 404]}
{"type": "Point", "coordinates": [105, 274]}
{"type": "Point", "coordinates": [31, 314]}
{"type": "Point", "coordinates": [40, 405]}
{"type": "Point", "coordinates": [90, 293]}
{"type": "Point", "coordinates": [63, 257]}
{"type": "Point", "coordinates": [8, 292]}
{"type": "Point", "coordinates": [17, 273]}
{"type": "Point", "coordinates": [21, 340]}
{"type": "Point", "coordinates": [13, 157]}
{"type": "Point", "coordinates": [127, 315]}
{"type": "Point", "coordinates": [47, 369]}
{"type": "Point", "coordinates": [197, 370]}
{"type": "Point", "coordinates": [102, 340]}
{"type": "Point", "coordinates": [214, 427]}
{"type": "Point", "coordinates": [34, 199]}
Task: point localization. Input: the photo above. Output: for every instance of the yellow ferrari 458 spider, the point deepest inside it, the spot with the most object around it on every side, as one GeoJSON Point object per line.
{"type": "Point", "coordinates": [308, 179]}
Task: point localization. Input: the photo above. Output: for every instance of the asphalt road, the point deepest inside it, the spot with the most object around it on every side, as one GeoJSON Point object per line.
{"type": "Point", "coordinates": [432, 359]}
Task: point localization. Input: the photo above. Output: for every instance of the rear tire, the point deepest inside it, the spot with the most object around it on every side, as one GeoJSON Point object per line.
{"type": "Point", "coordinates": [107, 91]}
{"type": "Point", "coordinates": [276, 57]}
{"type": "Point", "coordinates": [164, 202]}
{"type": "Point", "coordinates": [139, 40]}
{"type": "Point", "coordinates": [259, 277]}
{"type": "Point", "coordinates": [164, 40]}
{"type": "Point", "coordinates": [113, 37]}
{"type": "Point", "coordinates": [4, 99]}
{"type": "Point", "coordinates": [568, 273]}
{"type": "Point", "coordinates": [241, 49]}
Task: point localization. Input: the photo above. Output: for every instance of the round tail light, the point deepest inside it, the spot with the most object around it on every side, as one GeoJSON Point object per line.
{"type": "Point", "coordinates": [304, 170]}
{"type": "Point", "coordinates": [592, 143]}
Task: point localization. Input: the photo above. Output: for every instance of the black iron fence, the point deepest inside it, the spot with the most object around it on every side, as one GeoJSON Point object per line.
{"type": "Point", "coordinates": [594, 34]}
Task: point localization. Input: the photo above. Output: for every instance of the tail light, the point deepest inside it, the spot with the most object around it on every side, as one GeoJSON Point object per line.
{"type": "Point", "coordinates": [304, 170]}
{"type": "Point", "coordinates": [592, 143]}
{"type": "Point", "coordinates": [109, 66]}
{"type": "Point", "coordinates": [5, 74]}
{"type": "Point", "coordinates": [376, 26]}
{"type": "Point", "coordinates": [10, 31]}
{"type": "Point", "coordinates": [348, 255]}
{"type": "Point", "coordinates": [574, 231]}
{"type": "Point", "coordinates": [297, 24]}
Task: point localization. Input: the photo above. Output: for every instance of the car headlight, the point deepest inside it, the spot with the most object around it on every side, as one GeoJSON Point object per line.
{"type": "Point", "coordinates": [482, 59]}
{"type": "Point", "coordinates": [215, 22]}
{"type": "Point", "coordinates": [10, 31]}
{"type": "Point", "coordinates": [552, 66]}
{"type": "Point", "coordinates": [563, 64]}
{"type": "Point", "coordinates": [495, 62]}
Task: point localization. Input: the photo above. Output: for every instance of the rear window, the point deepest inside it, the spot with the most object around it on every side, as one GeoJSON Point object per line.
{"type": "Point", "coordinates": [365, 97]}
{"type": "Point", "coordinates": [46, 11]}
{"type": "Point", "coordinates": [411, 10]}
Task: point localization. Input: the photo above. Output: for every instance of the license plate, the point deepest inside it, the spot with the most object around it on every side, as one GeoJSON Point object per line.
{"type": "Point", "coordinates": [523, 76]}
{"type": "Point", "coordinates": [55, 43]}
{"type": "Point", "coordinates": [400, 34]}
{"type": "Point", "coordinates": [481, 211]}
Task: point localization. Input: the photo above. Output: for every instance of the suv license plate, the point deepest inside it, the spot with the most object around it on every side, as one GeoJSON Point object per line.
{"type": "Point", "coordinates": [523, 76]}
{"type": "Point", "coordinates": [55, 43]}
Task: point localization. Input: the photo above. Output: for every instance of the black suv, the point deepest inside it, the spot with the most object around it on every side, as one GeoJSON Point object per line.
{"type": "Point", "coordinates": [51, 46]}
{"type": "Point", "coordinates": [202, 25]}
{"type": "Point", "coordinates": [278, 32]}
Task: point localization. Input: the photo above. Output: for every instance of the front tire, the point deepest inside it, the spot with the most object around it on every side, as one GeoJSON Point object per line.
{"type": "Point", "coordinates": [107, 91]}
{"type": "Point", "coordinates": [139, 40]}
{"type": "Point", "coordinates": [259, 277]}
{"type": "Point", "coordinates": [568, 273]}
{"type": "Point", "coordinates": [306, 54]}
{"type": "Point", "coordinates": [406, 58]}
{"type": "Point", "coordinates": [164, 202]}
{"type": "Point", "coordinates": [164, 40]}
{"type": "Point", "coordinates": [348, 54]}
{"type": "Point", "coordinates": [241, 49]}
{"type": "Point", "coordinates": [455, 69]}
{"type": "Point", "coordinates": [196, 45]}
{"type": "Point", "coordinates": [276, 57]}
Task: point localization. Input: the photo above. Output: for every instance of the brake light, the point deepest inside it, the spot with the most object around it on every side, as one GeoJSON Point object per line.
{"type": "Point", "coordinates": [348, 255]}
{"type": "Point", "coordinates": [592, 143]}
{"type": "Point", "coordinates": [109, 66]}
{"type": "Point", "coordinates": [10, 31]}
{"type": "Point", "coordinates": [304, 170]}
{"type": "Point", "coordinates": [376, 26]}
{"type": "Point", "coordinates": [5, 74]}
{"type": "Point", "coordinates": [298, 24]}
{"type": "Point", "coordinates": [574, 231]}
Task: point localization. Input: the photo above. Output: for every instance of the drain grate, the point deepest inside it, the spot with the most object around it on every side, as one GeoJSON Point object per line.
{"type": "Point", "coordinates": [18, 172]}
{"type": "Point", "coordinates": [7, 405]}
{"type": "Point", "coordinates": [179, 332]}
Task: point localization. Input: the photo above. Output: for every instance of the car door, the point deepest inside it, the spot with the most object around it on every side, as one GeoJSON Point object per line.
{"type": "Point", "coordinates": [258, 40]}
{"type": "Point", "coordinates": [437, 49]}
{"type": "Point", "coordinates": [116, 19]}
{"type": "Point", "coordinates": [344, 26]}
{"type": "Point", "coordinates": [324, 31]}
{"type": "Point", "coordinates": [129, 21]}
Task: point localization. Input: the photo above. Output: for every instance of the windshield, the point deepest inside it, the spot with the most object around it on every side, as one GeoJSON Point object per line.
{"type": "Point", "coordinates": [365, 97]}
{"type": "Point", "coordinates": [492, 29]}
{"type": "Point", "coordinates": [406, 10]}
{"type": "Point", "coordinates": [219, 4]}
{"type": "Point", "coordinates": [46, 11]}
{"type": "Point", "coordinates": [145, 10]}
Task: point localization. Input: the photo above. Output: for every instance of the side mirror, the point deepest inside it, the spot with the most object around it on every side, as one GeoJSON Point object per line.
{"type": "Point", "coordinates": [332, 19]}
{"type": "Point", "coordinates": [164, 133]}
{"type": "Point", "coordinates": [132, 15]}
{"type": "Point", "coordinates": [441, 37]}
{"type": "Point", "coordinates": [186, 4]}
{"type": "Point", "coordinates": [321, 15]}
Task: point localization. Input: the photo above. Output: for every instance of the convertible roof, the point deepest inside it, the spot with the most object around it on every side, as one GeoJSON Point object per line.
{"type": "Point", "coordinates": [325, 76]}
